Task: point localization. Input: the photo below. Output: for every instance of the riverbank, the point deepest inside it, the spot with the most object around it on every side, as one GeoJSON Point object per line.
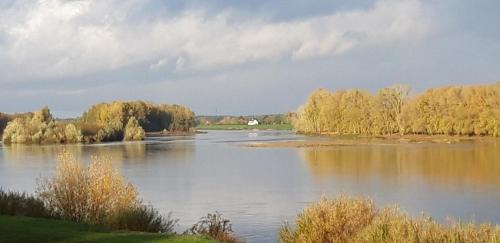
{"type": "Point", "coordinates": [330, 140]}
{"type": "Point", "coordinates": [245, 127]}
{"type": "Point", "coordinates": [170, 133]}
{"type": "Point", "coordinates": [39, 230]}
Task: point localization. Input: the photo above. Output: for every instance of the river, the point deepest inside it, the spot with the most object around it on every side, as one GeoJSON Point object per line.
{"type": "Point", "coordinates": [260, 188]}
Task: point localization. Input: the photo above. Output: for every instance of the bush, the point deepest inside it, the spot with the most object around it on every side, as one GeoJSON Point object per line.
{"type": "Point", "coordinates": [392, 225]}
{"type": "Point", "coordinates": [22, 204]}
{"type": "Point", "coordinates": [216, 226]}
{"type": "Point", "coordinates": [72, 134]}
{"type": "Point", "coordinates": [84, 194]}
{"type": "Point", "coordinates": [133, 131]}
{"type": "Point", "coordinates": [98, 194]}
{"type": "Point", "coordinates": [347, 219]}
{"type": "Point", "coordinates": [112, 131]}
{"type": "Point", "coordinates": [331, 220]}
{"type": "Point", "coordinates": [142, 218]}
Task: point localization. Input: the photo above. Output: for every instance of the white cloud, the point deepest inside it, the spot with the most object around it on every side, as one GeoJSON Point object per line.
{"type": "Point", "coordinates": [61, 39]}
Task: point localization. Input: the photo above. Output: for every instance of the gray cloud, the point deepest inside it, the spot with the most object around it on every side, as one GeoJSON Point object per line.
{"type": "Point", "coordinates": [59, 39]}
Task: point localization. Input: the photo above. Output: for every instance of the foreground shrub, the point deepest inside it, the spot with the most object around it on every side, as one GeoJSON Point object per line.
{"type": "Point", "coordinates": [22, 204]}
{"type": "Point", "coordinates": [86, 194]}
{"type": "Point", "coordinates": [392, 225]}
{"type": "Point", "coordinates": [216, 226]}
{"type": "Point", "coordinates": [347, 219]}
{"type": "Point", "coordinates": [331, 220]}
{"type": "Point", "coordinates": [98, 194]}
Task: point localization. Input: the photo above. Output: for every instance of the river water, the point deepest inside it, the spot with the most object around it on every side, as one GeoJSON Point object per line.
{"type": "Point", "coordinates": [260, 188]}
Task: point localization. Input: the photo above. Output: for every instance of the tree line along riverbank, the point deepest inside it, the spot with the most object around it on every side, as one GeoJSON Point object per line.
{"type": "Point", "coordinates": [472, 110]}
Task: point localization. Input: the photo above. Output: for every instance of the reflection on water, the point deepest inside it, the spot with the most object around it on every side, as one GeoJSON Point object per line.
{"type": "Point", "coordinates": [467, 164]}
{"type": "Point", "coordinates": [258, 189]}
{"type": "Point", "coordinates": [18, 154]}
{"type": "Point", "coordinates": [22, 165]}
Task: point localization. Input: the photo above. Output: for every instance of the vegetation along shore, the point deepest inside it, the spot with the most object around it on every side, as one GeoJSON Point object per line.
{"type": "Point", "coordinates": [95, 203]}
{"type": "Point", "coordinates": [472, 110]}
{"type": "Point", "coordinates": [103, 122]}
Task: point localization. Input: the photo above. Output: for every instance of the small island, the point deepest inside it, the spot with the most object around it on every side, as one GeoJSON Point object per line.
{"type": "Point", "coordinates": [103, 122]}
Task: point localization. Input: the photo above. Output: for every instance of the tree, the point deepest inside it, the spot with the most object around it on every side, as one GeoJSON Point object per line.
{"type": "Point", "coordinates": [133, 131]}
{"type": "Point", "coordinates": [453, 110]}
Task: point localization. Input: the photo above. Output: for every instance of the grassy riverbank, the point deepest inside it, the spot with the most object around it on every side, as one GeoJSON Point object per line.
{"type": "Point", "coordinates": [245, 127]}
{"type": "Point", "coordinates": [25, 229]}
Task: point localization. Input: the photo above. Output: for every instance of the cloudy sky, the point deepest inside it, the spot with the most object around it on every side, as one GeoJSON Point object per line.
{"type": "Point", "coordinates": [236, 57]}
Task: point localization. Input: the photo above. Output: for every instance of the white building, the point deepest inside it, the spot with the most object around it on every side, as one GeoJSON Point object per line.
{"type": "Point", "coordinates": [253, 122]}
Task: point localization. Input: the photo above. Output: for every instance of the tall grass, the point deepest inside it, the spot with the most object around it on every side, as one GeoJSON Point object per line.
{"type": "Point", "coordinates": [348, 219]}
{"type": "Point", "coordinates": [22, 204]}
{"type": "Point", "coordinates": [142, 218]}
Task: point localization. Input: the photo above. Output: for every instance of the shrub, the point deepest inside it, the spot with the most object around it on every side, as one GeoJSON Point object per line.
{"type": "Point", "coordinates": [334, 220]}
{"type": "Point", "coordinates": [22, 204]}
{"type": "Point", "coordinates": [392, 225]}
{"type": "Point", "coordinates": [347, 219]}
{"type": "Point", "coordinates": [98, 194]}
{"type": "Point", "coordinates": [216, 226]}
{"type": "Point", "coordinates": [133, 131]}
{"type": "Point", "coordinates": [72, 134]}
{"type": "Point", "coordinates": [86, 194]}
{"type": "Point", "coordinates": [112, 131]}
{"type": "Point", "coordinates": [142, 218]}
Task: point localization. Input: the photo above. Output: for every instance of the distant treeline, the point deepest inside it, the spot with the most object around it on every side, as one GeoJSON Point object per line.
{"type": "Point", "coordinates": [114, 121]}
{"type": "Point", "coordinates": [4, 119]}
{"type": "Point", "coordinates": [272, 119]}
{"type": "Point", "coordinates": [454, 110]}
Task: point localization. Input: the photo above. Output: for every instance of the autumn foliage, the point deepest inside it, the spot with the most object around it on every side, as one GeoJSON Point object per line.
{"type": "Point", "coordinates": [349, 219]}
{"type": "Point", "coordinates": [103, 122]}
{"type": "Point", "coordinates": [453, 110]}
{"type": "Point", "coordinates": [98, 194]}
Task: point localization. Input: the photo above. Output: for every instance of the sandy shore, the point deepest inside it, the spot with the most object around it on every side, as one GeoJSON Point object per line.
{"type": "Point", "coordinates": [327, 141]}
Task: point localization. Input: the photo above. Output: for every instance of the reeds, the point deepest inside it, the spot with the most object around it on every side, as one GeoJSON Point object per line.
{"type": "Point", "coordinates": [348, 219]}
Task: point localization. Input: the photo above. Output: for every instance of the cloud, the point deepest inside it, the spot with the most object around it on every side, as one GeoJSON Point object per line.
{"type": "Point", "coordinates": [56, 39]}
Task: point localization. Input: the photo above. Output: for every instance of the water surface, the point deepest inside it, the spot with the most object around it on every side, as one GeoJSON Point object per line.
{"type": "Point", "coordinates": [259, 188]}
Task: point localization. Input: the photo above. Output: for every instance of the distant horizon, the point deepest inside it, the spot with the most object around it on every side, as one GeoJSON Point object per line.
{"type": "Point", "coordinates": [62, 114]}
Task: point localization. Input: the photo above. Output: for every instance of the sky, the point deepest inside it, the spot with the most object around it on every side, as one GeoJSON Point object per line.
{"type": "Point", "coordinates": [236, 57]}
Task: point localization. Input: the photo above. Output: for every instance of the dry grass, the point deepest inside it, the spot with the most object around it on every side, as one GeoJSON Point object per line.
{"type": "Point", "coordinates": [22, 204]}
{"type": "Point", "coordinates": [347, 219]}
{"type": "Point", "coordinates": [215, 226]}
